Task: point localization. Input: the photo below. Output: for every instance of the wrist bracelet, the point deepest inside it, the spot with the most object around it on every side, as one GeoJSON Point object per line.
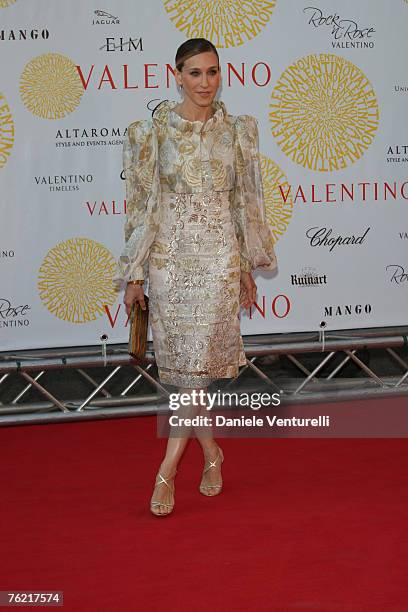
{"type": "Point", "coordinates": [136, 282]}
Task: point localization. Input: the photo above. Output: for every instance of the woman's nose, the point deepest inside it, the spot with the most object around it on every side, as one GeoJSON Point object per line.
{"type": "Point", "coordinates": [204, 81]}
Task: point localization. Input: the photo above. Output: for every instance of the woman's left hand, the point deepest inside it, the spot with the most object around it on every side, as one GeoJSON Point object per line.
{"type": "Point", "coordinates": [248, 290]}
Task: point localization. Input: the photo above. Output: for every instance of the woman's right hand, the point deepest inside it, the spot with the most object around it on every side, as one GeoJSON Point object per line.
{"type": "Point", "coordinates": [134, 293]}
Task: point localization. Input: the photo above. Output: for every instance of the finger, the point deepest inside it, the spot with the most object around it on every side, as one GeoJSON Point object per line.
{"type": "Point", "coordinates": [128, 305]}
{"type": "Point", "coordinates": [142, 303]}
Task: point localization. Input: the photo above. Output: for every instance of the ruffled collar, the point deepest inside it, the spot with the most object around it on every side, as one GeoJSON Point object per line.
{"type": "Point", "coordinates": [166, 115]}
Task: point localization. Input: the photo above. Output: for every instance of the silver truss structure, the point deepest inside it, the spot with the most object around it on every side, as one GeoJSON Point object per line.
{"type": "Point", "coordinates": [115, 384]}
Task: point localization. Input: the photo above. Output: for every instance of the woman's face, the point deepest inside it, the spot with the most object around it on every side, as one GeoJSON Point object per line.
{"type": "Point", "coordinates": [200, 78]}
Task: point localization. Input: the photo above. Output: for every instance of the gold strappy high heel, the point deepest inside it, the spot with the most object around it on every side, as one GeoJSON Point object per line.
{"type": "Point", "coordinates": [161, 480]}
{"type": "Point", "coordinates": [211, 490]}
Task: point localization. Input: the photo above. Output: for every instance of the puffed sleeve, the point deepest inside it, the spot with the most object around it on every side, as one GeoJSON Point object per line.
{"type": "Point", "coordinates": [140, 166]}
{"type": "Point", "coordinates": [248, 206]}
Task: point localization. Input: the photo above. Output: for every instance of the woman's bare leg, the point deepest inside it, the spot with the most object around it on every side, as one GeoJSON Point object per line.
{"type": "Point", "coordinates": [176, 445]}
{"type": "Point", "coordinates": [211, 478]}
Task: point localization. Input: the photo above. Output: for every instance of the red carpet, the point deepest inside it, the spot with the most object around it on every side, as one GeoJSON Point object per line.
{"type": "Point", "coordinates": [302, 524]}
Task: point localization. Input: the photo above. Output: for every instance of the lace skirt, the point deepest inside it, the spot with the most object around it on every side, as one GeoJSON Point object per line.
{"type": "Point", "coordinates": [194, 284]}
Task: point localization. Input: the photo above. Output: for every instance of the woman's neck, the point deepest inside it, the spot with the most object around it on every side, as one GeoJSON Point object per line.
{"type": "Point", "coordinates": [192, 112]}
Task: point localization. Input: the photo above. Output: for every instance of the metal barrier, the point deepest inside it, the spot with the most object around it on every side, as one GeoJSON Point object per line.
{"type": "Point", "coordinates": [24, 372]}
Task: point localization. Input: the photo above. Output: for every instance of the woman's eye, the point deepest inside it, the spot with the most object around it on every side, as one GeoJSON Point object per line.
{"type": "Point", "coordinates": [195, 73]}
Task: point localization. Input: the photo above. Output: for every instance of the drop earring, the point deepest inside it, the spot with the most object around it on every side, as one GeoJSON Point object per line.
{"type": "Point", "coordinates": [180, 89]}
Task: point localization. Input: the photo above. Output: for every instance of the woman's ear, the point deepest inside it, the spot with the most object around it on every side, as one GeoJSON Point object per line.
{"type": "Point", "coordinates": [178, 77]}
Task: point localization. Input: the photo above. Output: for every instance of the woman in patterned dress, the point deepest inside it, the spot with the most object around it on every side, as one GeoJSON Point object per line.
{"type": "Point", "coordinates": [196, 228]}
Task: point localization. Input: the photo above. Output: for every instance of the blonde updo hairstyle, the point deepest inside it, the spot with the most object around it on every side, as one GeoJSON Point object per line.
{"type": "Point", "coordinates": [192, 47]}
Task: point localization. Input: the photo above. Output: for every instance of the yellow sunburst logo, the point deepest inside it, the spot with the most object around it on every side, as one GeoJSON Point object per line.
{"type": "Point", "coordinates": [277, 196]}
{"type": "Point", "coordinates": [226, 23]}
{"type": "Point", "coordinates": [5, 3]}
{"type": "Point", "coordinates": [6, 131]}
{"type": "Point", "coordinates": [75, 280]}
{"type": "Point", "coordinates": [324, 112]}
{"type": "Point", "coordinates": [50, 86]}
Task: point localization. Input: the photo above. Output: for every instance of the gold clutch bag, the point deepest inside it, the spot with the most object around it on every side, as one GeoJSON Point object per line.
{"type": "Point", "coordinates": [139, 320]}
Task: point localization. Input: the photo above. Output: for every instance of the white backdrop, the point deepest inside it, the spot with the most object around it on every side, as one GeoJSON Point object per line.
{"type": "Point", "coordinates": [328, 84]}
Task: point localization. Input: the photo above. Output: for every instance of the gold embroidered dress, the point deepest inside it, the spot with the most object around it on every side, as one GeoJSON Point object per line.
{"type": "Point", "coordinates": [195, 219]}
